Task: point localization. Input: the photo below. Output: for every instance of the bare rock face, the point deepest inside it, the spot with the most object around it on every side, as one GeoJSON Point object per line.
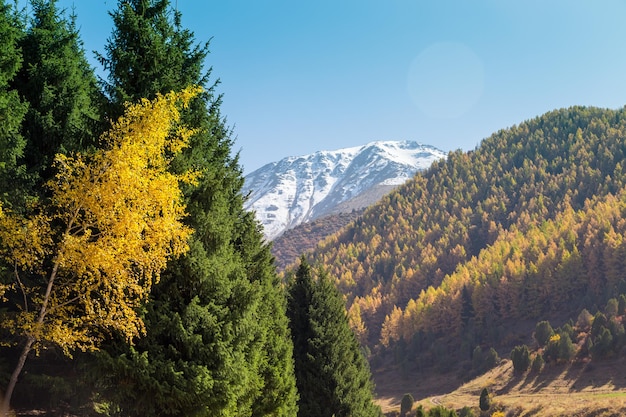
{"type": "Point", "coordinates": [301, 189]}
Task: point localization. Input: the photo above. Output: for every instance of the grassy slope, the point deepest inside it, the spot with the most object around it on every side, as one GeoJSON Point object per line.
{"type": "Point", "coordinates": [580, 389]}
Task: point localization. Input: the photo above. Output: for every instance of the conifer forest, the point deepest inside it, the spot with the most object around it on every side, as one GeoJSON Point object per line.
{"type": "Point", "coordinates": [134, 283]}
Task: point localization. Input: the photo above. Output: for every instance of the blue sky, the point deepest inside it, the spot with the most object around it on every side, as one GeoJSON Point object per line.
{"type": "Point", "coordinates": [301, 76]}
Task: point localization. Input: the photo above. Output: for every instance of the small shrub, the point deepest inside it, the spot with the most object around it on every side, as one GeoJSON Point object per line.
{"type": "Point", "coordinates": [543, 332]}
{"type": "Point", "coordinates": [599, 321]}
{"type": "Point", "coordinates": [441, 411]}
{"type": "Point", "coordinates": [485, 400]}
{"type": "Point", "coordinates": [484, 361]}
{"type": "Point", "coordinates": [602, 343]}
{"type": "Point", "coordinates": [612, 307]}
{"type": "Point", "coordinates": [520, 355]}
{"type": "Point", "coordinates": [466, 412]}
{"type": "Point", "coordinates": [584, 320]}
{"type": "Point", "coordinates": [514, 412]}
{"type": "Point", "coordinates": [538, 363]}
{"type": "Point", "coordinates": [406, 404]}
{"type": "Point", "coordinates": [566, 349]}
{"type": "Point", "coordinates": [621, 304]}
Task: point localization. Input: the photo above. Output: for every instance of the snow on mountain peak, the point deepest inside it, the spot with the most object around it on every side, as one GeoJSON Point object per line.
{"type": "Point", "coordinates": [299, 189]}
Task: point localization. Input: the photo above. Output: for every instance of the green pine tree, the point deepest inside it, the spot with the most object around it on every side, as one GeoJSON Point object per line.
{"type": "Point", "coordinates": [61, 89]}
{"type": "Point", "coordinates": [332, 374]}
{"type": "Point", "coordinates": [484, 402]}
{"type": "Point", "coordinates": [145, 37]}
{"type": "Point", "coordinates": [217, 339]}
{"type": "Point", "coordinates": [520, 356]}
{"type": "Point", "coordinates": [49, 104]}
{"type": "Point", "coordinates": [12, 111]}
{"type": "Point", "coordinates": [12, 108]}
{"type": "Point", "coordinates": [406, 404]}
{"type": "Point", "coordinates": [543, 332]}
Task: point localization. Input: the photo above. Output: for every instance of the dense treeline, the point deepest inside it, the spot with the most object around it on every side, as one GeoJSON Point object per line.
{"type": "Point", "coordinates": [214, 334]}
{"type": "Point", "coordinates": [217, 341]}
{"type": "Point", "coordinates": [575, 259]}
{"type": "Point", "coordinates": [528, 223]}
{"type": "Point", "coordinates": [132, 280]}
{"type": "Point", "coordinates": [598, 336]}
{"type": "Point", "coordinates": [304, 237]}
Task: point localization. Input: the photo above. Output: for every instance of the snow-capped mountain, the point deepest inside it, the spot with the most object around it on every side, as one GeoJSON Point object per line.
{"type": "Point", "coordinates": [300, 189]}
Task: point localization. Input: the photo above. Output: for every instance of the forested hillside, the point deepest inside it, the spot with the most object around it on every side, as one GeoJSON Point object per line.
{"type": "Point", "coordinates": [132, 280]}
{"type": "Point", "coordinates": [287, 247]}
{"type": "Point", "coordinates": [527, 225]}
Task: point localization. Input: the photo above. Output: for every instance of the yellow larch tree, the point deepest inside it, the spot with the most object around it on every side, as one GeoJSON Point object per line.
{"type": "Point", "coordinates": [84, 260]}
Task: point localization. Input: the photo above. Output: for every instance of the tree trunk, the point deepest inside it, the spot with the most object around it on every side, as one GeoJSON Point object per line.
{"type": "Point", "coordinates": [4, 408]}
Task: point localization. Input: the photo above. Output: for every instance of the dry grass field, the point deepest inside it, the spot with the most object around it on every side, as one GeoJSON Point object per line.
{"type": "Point", "coordinates": [580, 390]}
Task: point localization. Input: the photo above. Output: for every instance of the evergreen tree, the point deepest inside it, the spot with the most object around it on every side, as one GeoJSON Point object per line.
{"type": "Point", "coordinates": [484, 402]}
{"type": "Point", "coordinates": [538, 363]}
{"type": "Point", "coordinates": [602, 343]}
{"type": "Point", "coordinates": [599, 322]}
{"type": "Point", "coordinates": [61, 89]}
{"type": "Point", "coordinates": [81, 270]}
{"type": "Point", "coordinates": [12, 109]}
{"type": "Point", "coordinates": [543, 332]}
{"type": "Point", "coordinates": [567, 350]}
{"type": "Point", "coordinates": [584, 320]}
{"type": "Point", "coordinates": [217, 335]}
{"type": "Point", "coordinates": [406, 404]}
{"type": "Point", "coordinates": [48, 104]}
{"type": "Point", "coordinates": [520, 355]}
{"type": "Point", "coordinates": [149, 53]}
{"type": "Point", "coordinates": [621, 304]}
{"type": "Point", "coordinates": [482, 361]}
{"type": "Point", "coordinates": [612, 307]}
{"type": "Point", "coordinates": [332, 374]}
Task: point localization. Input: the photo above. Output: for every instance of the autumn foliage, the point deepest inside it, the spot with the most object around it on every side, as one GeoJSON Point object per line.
{"type": "Point", "coordinates": [85, 259]}
{"type": "Point", "coordinates": [527, 224]}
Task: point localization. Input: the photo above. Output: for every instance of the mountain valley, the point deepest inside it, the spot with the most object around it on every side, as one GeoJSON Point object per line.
{"type": "Point", "coordinates": [463, 259]}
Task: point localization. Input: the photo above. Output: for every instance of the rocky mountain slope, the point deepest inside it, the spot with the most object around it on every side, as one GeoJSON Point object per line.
{"type": "Point", "coordinates": [288, 247]}
{"type": "Point", "coordinates": [300, 189]}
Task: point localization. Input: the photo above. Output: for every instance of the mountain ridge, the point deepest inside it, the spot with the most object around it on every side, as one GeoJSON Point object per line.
{"type": "Point", "coordinates": [299, 189]}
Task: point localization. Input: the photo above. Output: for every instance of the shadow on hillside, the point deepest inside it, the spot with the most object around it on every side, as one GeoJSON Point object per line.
{"type": "Point", "coordinates": [598, 378]}
{"type": "Point", "coordinates": [598, 374]}
{"type": "Point", "coordinates": [392, 383]}
{"type": "Point", "coordinates": [513, 382]}
{"type": "Point", "coordinates": [575, 377]}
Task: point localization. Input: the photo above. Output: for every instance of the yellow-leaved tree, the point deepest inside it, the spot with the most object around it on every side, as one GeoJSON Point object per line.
{"type": "Point", "coordinates": [84, 260]}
